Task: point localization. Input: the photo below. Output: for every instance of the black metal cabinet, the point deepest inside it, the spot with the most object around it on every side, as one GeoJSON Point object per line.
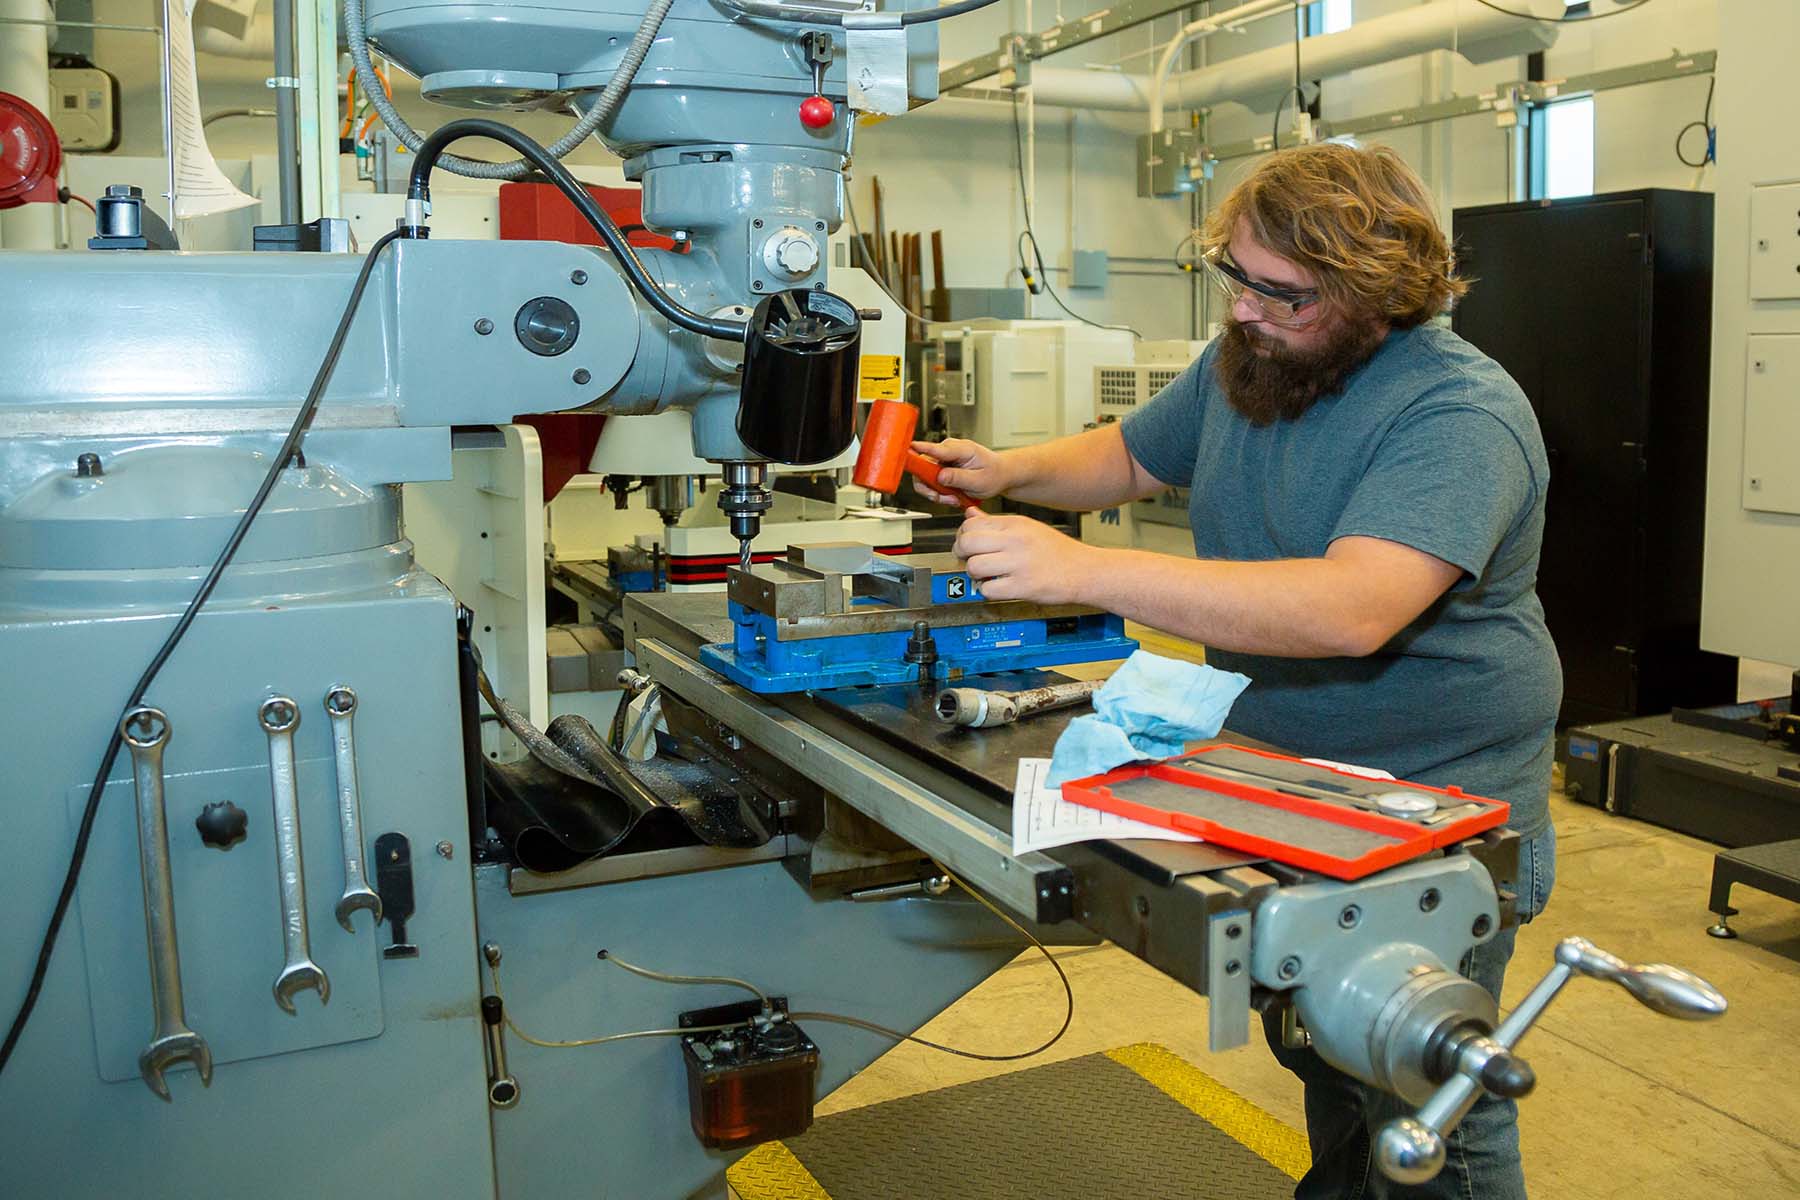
{"type": "Point", "coordinates": [1601, 308]}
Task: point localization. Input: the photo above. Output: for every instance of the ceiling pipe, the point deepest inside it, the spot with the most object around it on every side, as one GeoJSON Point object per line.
{"type": "Point", "coordinates": [257, 43]}
{"type": "Point", "coordinates": [1205, 27]}
{"type": "Point", "coordinates": [1261, 78]}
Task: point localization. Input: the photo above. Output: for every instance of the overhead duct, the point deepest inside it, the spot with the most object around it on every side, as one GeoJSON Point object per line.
{"type": "Point", "coordinates": [1261, 78]}
{"type": "Point", "coordinates": [256, 42]}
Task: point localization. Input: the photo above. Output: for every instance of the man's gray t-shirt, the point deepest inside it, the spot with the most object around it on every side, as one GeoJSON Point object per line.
{"type": "Point", "coordinates": [1430, 444]}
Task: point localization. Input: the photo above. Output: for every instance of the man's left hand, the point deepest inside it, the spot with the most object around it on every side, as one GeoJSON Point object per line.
{"type": "Point", "coordinates": [1017, 558]}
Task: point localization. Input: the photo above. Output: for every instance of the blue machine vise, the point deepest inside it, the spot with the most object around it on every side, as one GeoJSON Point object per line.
{"type": "Point", "coordinates": [838, 614]}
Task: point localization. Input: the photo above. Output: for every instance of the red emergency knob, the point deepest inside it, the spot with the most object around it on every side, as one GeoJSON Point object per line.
{"type": "Point", "coordinates": [816, 112]}
{"type": "Point", "coordinates": [30, 154]}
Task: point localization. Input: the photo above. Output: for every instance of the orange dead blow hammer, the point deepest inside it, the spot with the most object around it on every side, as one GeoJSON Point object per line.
{"type": "Point", "coordinates": [887, 453]}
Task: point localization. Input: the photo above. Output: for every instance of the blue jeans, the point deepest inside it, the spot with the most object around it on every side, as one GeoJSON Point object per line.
{"type": "Point", "coordinates": [1343, 1114]}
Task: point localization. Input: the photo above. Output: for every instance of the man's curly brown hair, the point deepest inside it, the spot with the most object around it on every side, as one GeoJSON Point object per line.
{"type": "Point", "coordinates": [1358, 218]}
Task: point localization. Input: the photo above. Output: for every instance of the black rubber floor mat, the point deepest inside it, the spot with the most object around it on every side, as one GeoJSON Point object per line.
{"type": "Point", "coordinates": [1137, 1123]}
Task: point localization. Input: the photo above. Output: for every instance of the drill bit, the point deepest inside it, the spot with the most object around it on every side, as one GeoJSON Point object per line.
{"type": "Point", "coordinates": [743, 554]}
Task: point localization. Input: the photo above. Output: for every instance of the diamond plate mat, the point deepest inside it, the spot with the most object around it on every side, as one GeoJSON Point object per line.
{"type": "Point", "coordinates": [1137, 1123]}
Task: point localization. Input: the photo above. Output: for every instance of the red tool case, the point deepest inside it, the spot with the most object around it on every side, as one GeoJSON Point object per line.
{"type": "Point", "coordinates": [1316, 817]}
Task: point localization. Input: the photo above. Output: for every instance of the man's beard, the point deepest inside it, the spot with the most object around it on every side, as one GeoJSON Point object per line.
{"type": "Point", "coordinates": [1283, 383]}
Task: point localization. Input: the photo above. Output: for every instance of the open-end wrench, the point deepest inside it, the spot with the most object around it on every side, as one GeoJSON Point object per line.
{"type": "Point", "coordinates": [280, 716]}
{"type": "Point", "coordinates": [145, 732]}
{"type": "Point", "coordinates": [340, 705]}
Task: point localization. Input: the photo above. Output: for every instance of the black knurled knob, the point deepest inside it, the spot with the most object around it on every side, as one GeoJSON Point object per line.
{"type": "Point", "coordinates": [223, 824]}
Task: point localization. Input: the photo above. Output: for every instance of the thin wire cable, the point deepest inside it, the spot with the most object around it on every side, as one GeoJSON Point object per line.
{"type": "Point", "coordinates": [830, 1017]}
{"type": "Point", "coordinates": [923, 16]}
{"type": "Point", "coordinates": [611, 1037]}
{"type": "Point", "coordinates": [1704, 123]}
{"type": "Point", "coordinates": [1190, 236]}
{"type": "Point", "coordinates": [224, 113]}
{"type": "Point", "coordinates": [1565, 20]}
{"type": "Point", "coordinates": [1025, 205]}
{"type": "Point", "coordinates": [290, 446]}
{"type": "Point", "coordinates": [85, 203]}
{"type": "Point", "coordinates": [575, 1043]}
{"type": "Point", "coordinates": [869, 266]}
{"type": "Point", "coordinates": [1298, 92]}
{"type": "Point", "coordinates": [664, 977]}
{"type": "Point", "coordinates": [896, 1035]}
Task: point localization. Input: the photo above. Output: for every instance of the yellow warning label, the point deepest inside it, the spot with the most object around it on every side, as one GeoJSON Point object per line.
{"type": "Point", "coordinates": [880, 377]}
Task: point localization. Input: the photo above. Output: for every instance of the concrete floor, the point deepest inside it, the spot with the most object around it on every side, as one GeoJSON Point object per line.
{"type": "Point", "coordinates": [1629, 1104]}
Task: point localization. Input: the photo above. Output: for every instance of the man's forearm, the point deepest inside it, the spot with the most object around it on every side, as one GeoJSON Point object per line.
{"type": "Point", "coordinates": [1081, 473]}
{"type": "Point", "coordinates": [1291, 608]}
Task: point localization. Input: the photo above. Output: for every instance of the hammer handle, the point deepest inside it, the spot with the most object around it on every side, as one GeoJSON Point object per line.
{"type": "Point", "coordinates": [927, 470]}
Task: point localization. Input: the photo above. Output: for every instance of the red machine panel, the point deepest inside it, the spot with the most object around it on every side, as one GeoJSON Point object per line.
{"type": "Point", "coordinates": [538, 212]}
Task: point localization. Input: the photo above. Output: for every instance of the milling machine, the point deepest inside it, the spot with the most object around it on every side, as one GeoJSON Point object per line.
{"type": "Point", "coordinates": [280, 914]}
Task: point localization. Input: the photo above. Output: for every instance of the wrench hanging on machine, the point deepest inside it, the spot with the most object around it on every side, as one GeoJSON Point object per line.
{"type": "Point", "coordinates": [145, 731]}
{"type": "Point", "coordinates": [280, 716]}
{"type": "Point", "coordinates": [340, 705]}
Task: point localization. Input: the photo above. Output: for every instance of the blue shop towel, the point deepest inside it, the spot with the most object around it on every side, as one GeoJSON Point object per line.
{"type": "Point", "coordinates": [1150, 708]}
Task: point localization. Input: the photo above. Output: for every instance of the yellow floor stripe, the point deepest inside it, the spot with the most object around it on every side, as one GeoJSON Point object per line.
{"type": "Point", "coordinates": [1278, 1144]}
{"type": "Point", "coordinates": [771, 1172]}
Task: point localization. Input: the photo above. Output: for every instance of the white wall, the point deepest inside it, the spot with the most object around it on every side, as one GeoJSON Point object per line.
{"type": "Point", "coordinates": [951, 165]}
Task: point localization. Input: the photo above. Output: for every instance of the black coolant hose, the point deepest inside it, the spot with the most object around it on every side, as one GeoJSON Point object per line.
{"type": "Point", "coordinates": [420, 190]}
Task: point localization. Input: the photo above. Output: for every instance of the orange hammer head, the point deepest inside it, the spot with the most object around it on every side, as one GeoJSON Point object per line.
{"type": "Point", "coordinates": [887, 454]}
{"type": "Point", "coordinates": [886, 439]}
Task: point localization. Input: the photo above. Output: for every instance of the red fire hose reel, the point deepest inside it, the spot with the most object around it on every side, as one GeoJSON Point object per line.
{"type": "Point", "coordinates": [30, 154]}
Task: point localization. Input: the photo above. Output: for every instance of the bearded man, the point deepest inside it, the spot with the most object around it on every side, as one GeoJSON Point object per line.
{"type": "Point", "coordinates": [1367, 509]}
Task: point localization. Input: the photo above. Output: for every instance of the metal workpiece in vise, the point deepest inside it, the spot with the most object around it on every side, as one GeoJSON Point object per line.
{"type": "Point", "coordinates": [1411, 1149]}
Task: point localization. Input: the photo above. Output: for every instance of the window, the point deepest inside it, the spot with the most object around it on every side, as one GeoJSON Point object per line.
{"type": "Point", "coordinates": [1562, 156]}
{"type": "Point", "coordinates": [1327, 16]}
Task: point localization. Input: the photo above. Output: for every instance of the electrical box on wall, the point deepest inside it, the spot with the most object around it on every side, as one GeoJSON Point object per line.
{"type": "Point", "coordinates": [1088, 269]}
{"type": "Point", "coordinates": [1772, 423]}
{"type": "Point", "coordinates": [84, 108]}
{"type": "Point", "coordinates": [1775, 241]}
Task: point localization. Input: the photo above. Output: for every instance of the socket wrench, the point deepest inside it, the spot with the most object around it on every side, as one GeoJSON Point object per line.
{"type": "Point", "coordinates": [279, 717]}
{"type": "Point", "coordinates": [145, 731]}
{"type": "Point", "coordinates": [340, 705]}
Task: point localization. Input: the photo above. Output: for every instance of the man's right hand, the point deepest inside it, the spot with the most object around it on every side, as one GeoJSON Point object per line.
{"type": "Point", "coordinates": [969, 467]}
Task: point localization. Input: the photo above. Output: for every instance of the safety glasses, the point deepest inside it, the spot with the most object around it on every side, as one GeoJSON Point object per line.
{"type": "Point", "coordinates": [1290, 307]}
